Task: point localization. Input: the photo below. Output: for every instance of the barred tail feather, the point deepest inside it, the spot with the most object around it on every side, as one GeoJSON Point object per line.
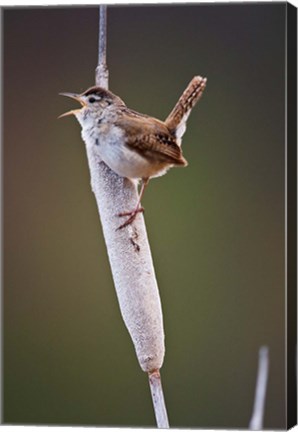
{"type": "Point", "coordinates": [176, 121]}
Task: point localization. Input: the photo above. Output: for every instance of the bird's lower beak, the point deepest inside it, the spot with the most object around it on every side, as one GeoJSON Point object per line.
{"type": "Point", "coordinates": [68, 113]}
{"type": "Point", "coordinates": [75, 97]}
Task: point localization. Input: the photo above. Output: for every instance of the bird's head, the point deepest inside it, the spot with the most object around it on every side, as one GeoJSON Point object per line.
{"type": "Point", "coordinates": [93, 102]}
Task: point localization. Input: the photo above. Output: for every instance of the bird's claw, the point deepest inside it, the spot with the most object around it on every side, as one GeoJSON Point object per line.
{"type": "Point", "coordinates": [132, 215]}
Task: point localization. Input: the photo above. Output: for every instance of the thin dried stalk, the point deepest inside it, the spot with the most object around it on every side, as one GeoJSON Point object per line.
{"type": "Point", "coordinates": [256, 422]}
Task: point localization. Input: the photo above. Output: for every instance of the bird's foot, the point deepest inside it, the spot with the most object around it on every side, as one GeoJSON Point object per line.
{"type": "Point", "coordinates": [132, 215]}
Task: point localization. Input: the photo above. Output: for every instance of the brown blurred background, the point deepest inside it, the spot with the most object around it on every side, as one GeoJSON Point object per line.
{"type": "Point", "coordinates": [216, 228]}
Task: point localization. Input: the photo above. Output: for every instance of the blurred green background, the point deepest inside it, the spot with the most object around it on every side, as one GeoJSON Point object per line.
{"type": "Point", "coordinates": [216, 228]}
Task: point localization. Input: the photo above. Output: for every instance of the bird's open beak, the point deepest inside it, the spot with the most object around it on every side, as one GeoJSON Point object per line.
{"type": "Point", "coordinates": [75, 97]}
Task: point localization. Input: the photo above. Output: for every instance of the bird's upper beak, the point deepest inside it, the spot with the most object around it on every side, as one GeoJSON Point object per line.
{"type": "Point", "coordinates": [75, 97]}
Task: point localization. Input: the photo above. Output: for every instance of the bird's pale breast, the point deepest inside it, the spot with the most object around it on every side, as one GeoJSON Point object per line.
{"type": "Point", "coordinates": [108, 141]}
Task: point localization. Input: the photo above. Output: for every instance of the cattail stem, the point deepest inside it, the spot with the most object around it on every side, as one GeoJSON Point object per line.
{"type": "Point", "coordinates": [158, 400]}
{"type": "Point", "coordinates": [129, 255]}
{"type": "Point", "coordinates": [102, 72]}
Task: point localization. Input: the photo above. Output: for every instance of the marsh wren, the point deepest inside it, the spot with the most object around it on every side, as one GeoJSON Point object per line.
{"type": "Point", "coordinates": [134, 145]}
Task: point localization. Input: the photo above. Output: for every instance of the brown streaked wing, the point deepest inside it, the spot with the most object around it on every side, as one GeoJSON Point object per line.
{"type": "Point", "coordinates": [151, 138]}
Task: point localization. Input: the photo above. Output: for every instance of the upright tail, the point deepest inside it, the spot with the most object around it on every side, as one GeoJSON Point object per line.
{"type": "Point", "coordinates": [176, 121]}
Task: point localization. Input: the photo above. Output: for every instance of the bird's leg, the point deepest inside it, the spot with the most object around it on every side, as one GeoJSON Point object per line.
{"type": "Point", "coordinates": [138, 209]}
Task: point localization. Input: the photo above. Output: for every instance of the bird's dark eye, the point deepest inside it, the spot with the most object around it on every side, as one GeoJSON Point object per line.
{"type": "Point", "coordinates": [92, 100]}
